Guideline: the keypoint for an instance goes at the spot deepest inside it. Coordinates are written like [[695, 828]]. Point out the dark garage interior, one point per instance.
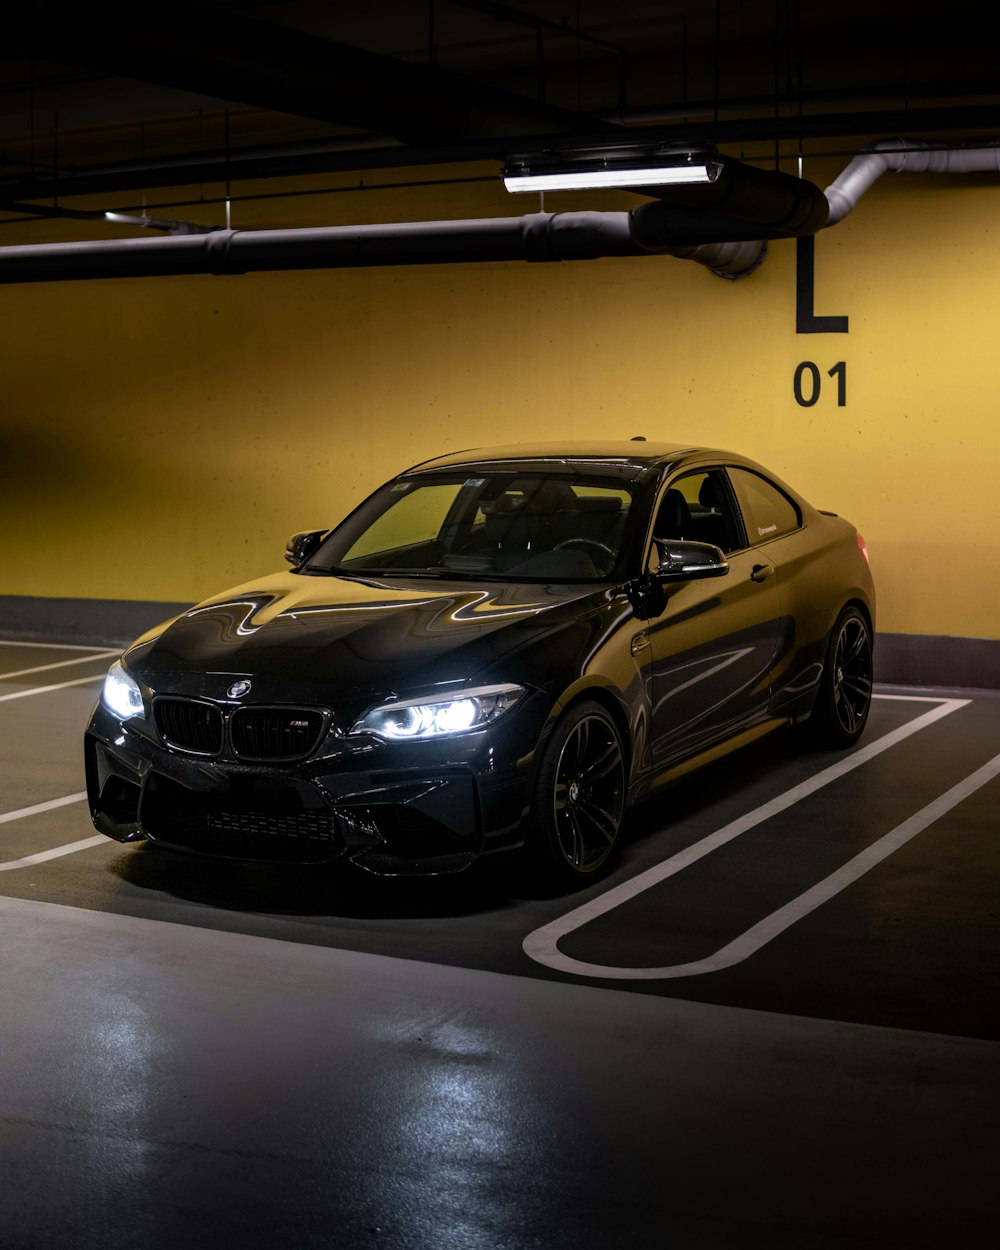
[[258, 259]]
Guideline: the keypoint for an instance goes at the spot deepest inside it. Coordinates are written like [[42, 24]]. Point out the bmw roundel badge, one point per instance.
[[238, 689]]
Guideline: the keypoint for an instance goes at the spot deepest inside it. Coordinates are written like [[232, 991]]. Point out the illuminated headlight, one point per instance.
[[121, 694], [439, 714]]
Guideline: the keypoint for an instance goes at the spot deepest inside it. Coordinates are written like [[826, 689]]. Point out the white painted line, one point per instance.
[[749, 942], [57, 851], [23, 694], [542, 944], [915, 698], [48, 646], [41, 668], [22, 812]]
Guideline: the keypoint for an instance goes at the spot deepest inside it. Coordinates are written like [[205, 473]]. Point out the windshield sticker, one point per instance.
[[766, 529], [475, 481]]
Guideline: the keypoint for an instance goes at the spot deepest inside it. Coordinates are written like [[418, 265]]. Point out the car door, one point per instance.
[[712, 645], [773, 524]]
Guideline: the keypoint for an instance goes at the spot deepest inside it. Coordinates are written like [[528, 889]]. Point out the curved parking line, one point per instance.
[[542, 945]]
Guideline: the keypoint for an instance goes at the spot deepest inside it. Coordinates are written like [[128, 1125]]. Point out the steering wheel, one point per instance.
[[586, 542]]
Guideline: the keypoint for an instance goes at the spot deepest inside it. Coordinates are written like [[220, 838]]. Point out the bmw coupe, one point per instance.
[[496, 653]]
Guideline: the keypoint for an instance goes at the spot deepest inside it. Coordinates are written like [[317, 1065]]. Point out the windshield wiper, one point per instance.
[[333, 570], [438, 575]]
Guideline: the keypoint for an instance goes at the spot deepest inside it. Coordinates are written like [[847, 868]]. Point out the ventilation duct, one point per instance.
[[726, 260], [772, 200], [724, 225]]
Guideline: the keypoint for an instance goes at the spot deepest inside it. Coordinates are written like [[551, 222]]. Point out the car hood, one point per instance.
[[320, 639]]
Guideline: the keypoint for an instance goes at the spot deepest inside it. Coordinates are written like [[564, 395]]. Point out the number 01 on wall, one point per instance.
[[807, 385]]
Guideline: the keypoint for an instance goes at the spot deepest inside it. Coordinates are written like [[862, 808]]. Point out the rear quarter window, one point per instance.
[[767, 510]]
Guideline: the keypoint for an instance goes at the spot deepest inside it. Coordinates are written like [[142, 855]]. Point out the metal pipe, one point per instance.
[[769, 105], [742, 206], [902, 156], [538, 237]]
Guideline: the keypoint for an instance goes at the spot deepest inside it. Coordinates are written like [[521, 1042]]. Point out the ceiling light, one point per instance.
[[610, 169]]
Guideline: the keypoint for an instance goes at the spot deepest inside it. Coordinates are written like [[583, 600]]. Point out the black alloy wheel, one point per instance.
[[846, 689], [580, 795]]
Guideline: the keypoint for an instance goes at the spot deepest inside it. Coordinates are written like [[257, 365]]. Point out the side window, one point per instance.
[[767, 511], [699, 508]]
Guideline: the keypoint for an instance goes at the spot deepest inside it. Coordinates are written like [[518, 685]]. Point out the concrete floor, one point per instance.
[[194, 1055]]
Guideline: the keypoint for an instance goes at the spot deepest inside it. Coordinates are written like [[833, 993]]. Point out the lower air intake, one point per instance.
[[280, 824]]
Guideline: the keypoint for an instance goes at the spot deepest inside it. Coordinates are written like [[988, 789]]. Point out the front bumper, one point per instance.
[[394, 809]]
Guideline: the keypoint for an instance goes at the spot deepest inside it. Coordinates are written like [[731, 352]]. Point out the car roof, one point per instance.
[[621, 454]]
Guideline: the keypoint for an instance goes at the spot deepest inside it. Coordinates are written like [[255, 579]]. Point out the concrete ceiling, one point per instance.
[[110, 105]]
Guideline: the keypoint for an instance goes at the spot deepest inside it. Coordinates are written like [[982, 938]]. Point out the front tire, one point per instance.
[[841, 711], [579, 797]]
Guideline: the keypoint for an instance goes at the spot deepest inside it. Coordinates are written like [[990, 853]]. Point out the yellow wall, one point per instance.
[[161, 438]]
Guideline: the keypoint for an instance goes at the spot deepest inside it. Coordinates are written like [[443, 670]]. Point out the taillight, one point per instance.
[[862, 546]]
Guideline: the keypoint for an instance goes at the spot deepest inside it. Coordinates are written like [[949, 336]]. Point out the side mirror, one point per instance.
[[682, 561], [301, 546]]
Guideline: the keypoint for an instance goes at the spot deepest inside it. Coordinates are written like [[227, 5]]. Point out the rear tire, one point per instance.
[[841, 710], [579, 798]]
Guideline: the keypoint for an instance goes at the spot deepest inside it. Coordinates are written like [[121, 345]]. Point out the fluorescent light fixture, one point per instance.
[[591, 172]]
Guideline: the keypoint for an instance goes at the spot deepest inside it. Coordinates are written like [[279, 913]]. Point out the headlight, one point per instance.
[[432, 717], [121, 693]]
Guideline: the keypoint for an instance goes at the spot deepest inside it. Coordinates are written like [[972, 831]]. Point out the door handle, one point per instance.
[[761, 572]]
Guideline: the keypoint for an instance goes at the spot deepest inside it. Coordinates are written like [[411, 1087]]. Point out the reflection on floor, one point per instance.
[[196, 1053], [164, 1085]]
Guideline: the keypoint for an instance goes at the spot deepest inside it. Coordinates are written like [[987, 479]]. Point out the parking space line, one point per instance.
[[542, 944], [35, 808], [47, 646], [41, 668], [57, 851], [23, 694]]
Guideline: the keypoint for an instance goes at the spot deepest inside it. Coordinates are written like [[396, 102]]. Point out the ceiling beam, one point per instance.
[[955, 124], [211, 51]]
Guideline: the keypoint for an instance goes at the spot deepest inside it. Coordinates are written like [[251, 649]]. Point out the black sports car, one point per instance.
[[498, 649]]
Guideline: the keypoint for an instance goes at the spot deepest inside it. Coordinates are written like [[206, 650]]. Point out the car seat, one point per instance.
[[674, 517]]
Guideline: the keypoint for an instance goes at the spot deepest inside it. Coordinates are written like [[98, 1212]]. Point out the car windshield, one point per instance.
[[504, 526]]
